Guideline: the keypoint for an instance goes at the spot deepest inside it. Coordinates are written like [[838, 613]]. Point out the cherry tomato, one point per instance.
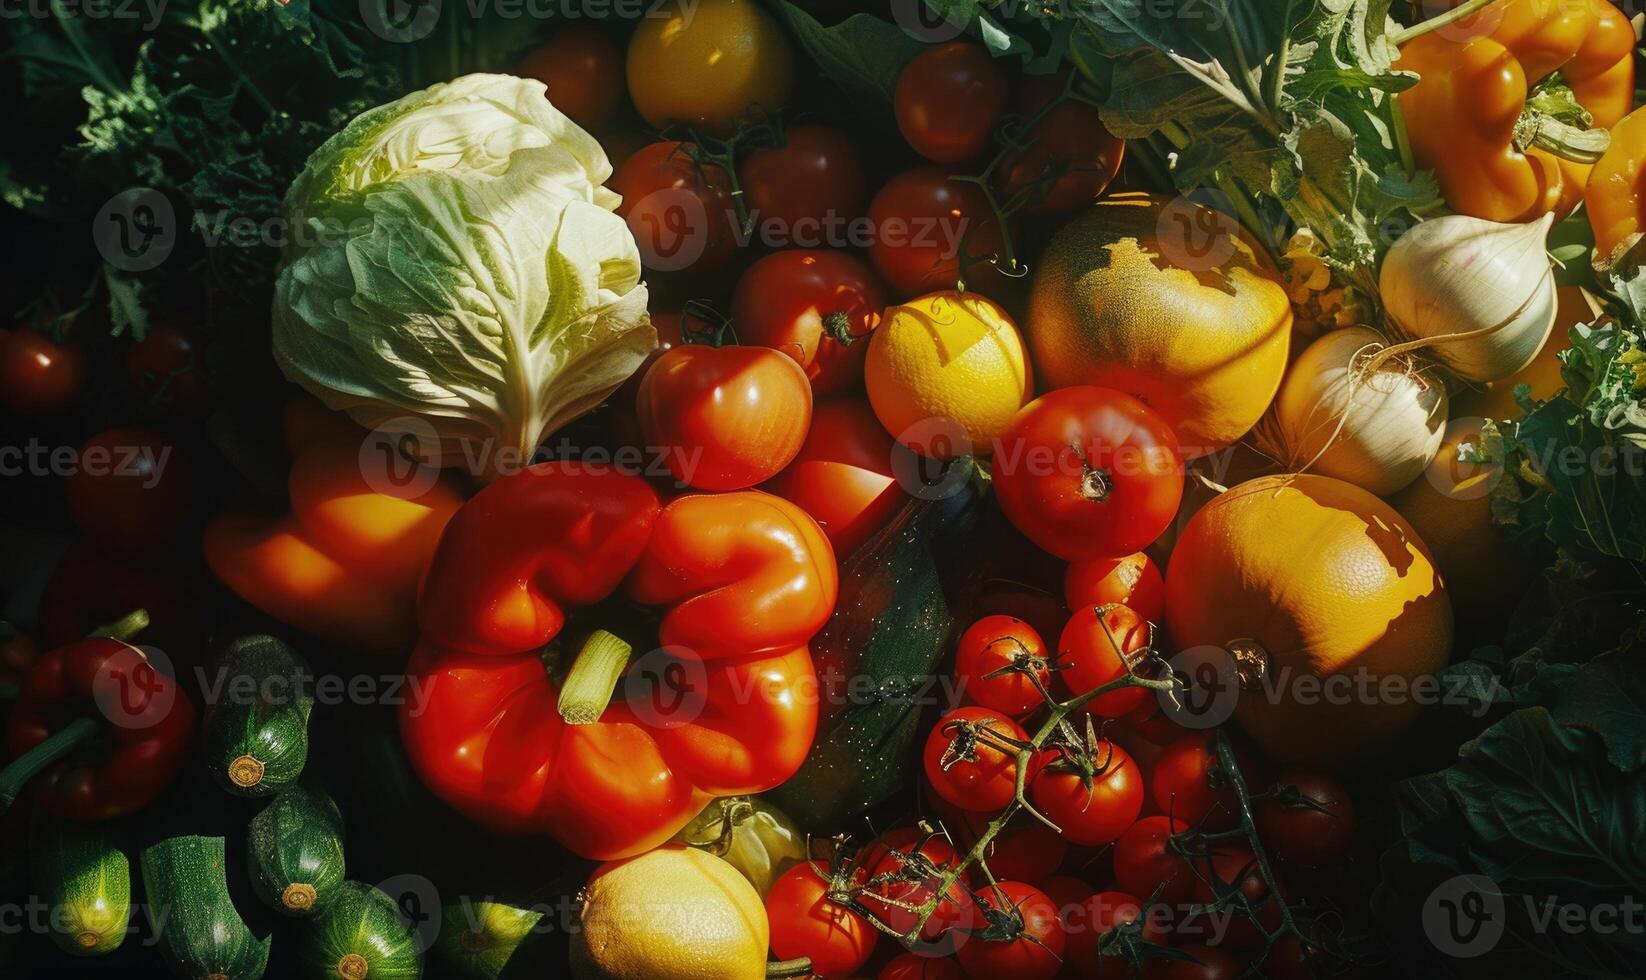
[[164, 369], [1095, 916], [1088, 471], [994, 644], [727, 417], [948, 100], [1067, 156], [1317, 829], [1142, 862], [129, 490], [1025, 850], [805, 923], [709, 63], [903, 869], [38, 375], [1089, 647], [1090, 814], [967, 763], [914, 966], [583, 70], [679, 210], [818, 307], [806, 189], [1150, 721], [1189, 783], [843, 474], [1019, 935], [1133, 580], [1204, 963], [923, 225]]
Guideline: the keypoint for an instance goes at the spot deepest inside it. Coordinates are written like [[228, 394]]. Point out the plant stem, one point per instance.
[[36, 760], [593, 678], [1436, 23], [801, 967], [126, 627]]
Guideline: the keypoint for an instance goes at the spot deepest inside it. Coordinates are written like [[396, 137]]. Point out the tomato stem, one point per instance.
[[593, 678], [801, 967], [126, 627], [38, 759]]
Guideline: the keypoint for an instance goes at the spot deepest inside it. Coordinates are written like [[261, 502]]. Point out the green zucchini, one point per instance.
[[256, 732], [294, 851], [360, 934], [85, 881], [892, 623], [479, 940], [201, 936]]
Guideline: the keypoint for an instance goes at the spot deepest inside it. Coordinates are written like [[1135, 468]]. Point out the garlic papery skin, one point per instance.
[[1482, 293], [1347, 410]]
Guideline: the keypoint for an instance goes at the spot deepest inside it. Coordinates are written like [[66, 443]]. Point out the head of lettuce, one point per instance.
[[456, 272]]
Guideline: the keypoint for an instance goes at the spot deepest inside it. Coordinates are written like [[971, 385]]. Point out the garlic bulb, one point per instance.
[[1482, 291], [1344, 411]]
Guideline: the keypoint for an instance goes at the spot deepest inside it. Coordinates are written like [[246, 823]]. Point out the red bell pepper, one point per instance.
[[739, 583], [98, 732]]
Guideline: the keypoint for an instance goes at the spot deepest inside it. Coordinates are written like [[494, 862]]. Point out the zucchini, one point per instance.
[[360, 934], [85, 881], [256, 732], [479, 940], [892, 623], [294, 851], [201, 936]]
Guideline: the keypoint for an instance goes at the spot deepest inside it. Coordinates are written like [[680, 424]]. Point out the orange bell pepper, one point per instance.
[[1468, 117], [345, 564], [1615, 198]]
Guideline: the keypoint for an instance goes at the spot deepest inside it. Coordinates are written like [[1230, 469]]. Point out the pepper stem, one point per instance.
[[36, 760], [126, 627], [1562, 139], [593, 678]]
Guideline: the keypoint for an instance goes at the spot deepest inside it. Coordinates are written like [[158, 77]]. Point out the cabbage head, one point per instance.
[[455, 269]]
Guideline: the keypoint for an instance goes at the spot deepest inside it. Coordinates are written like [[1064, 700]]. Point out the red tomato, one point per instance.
[[1088, 471], [1067, 156], [1204, 963], [805, 923], [1133, 580], [843, 474], [1189, 784], [923, 225], [1019, 935], [38, 375], [916, 859], [727, 417], [914, 966], [1227, 870], [1025, 849], [948, 100], [164, 369], [129, 491], [1087, 924], [1089, 647], [996, 643], [805, 190], [1095, 814], [583, 70], [1142, 863], [966, 766], [679, 211], [818, 307], [1317, 829]]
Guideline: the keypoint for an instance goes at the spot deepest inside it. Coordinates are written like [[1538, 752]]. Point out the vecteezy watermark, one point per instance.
[[35, 458], [925, 23], [135, 230], [226, 687], [146, 12], [408, 21], [1467, 915]]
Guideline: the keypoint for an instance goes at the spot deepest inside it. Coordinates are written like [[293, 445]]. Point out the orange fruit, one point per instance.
[[1167, 301], [946, 374], [710, 64], [1305, 578]]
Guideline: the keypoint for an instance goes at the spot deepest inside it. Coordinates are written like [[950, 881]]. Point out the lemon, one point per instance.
[[675, 913], [946, 374]]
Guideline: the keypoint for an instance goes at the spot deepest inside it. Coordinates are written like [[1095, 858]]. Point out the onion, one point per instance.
[[1351, 409], [1481, 293]]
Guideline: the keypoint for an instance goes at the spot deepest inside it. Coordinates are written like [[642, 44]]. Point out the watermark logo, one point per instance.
[[392, 457], [417, 904], [925, 23], [667, 688], [1195, 237], [671, 229], [936, 470], [133, 688], [1207, 688], [1470, 462], [401, 21], [135, 230], [1464, 916]]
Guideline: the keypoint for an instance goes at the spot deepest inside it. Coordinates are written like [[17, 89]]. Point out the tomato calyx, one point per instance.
[[702, 324], [1003, 923], [1087, 755], [838, 327], [1251, 661], [1026, 662], [965, 736]]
